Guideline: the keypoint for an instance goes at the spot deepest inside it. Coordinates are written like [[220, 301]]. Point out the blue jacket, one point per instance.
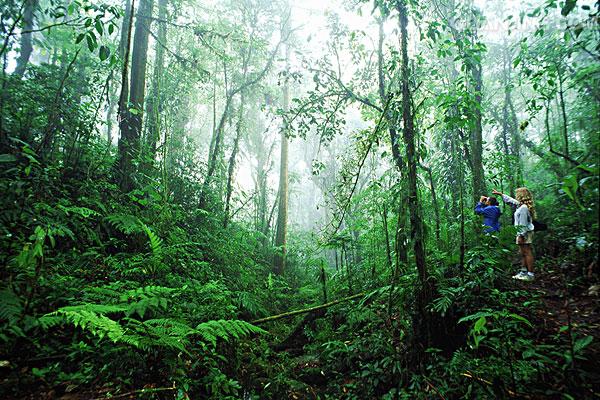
[[491, 216]]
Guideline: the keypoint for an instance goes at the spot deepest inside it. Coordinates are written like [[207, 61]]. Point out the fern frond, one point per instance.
[[81, 211], [144, 298], [156, 243], [126, 223], [97, 325], [95, 308], [11, 306], [247, 301], [210, 331], [49, 321]]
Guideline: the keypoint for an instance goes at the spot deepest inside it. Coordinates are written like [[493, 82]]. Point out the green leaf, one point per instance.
[[582, 343], [570, 186], [568, 7], [520, 318], [479, 324], [104, 53], [90, 43], [7, 158], [99, 27]]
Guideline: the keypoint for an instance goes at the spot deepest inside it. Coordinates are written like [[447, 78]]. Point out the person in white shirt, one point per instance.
[[524, 216]]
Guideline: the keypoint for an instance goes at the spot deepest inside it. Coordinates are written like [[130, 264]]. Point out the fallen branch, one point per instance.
[[306, 310], [468, 374], [136, 392]]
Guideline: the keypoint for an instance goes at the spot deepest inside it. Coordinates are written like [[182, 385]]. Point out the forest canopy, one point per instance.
[[265, 199]]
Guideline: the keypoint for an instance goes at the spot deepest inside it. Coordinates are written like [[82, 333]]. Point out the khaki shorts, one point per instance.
[[528, 238]]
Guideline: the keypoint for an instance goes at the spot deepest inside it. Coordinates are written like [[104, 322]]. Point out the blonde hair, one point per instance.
[[524, 196]]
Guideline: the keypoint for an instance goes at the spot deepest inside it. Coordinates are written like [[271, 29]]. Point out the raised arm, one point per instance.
[[506, 198]]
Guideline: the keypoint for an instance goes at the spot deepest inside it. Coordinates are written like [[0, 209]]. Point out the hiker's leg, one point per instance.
[[523, 251], [528, 257]]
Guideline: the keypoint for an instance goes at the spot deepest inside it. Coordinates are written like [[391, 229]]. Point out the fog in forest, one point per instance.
[[315, 199]]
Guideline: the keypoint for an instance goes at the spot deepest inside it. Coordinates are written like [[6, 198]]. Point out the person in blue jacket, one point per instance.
[[488, 207]]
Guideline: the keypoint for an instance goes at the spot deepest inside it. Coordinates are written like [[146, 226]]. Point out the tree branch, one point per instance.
[[306, 310]]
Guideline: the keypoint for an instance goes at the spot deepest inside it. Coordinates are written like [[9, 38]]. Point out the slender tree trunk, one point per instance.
[[214, 117], [323, 279], [414, 206], [111, 97], [436, 209], [282, 214], [563, 113], [388, 250], [461, 200], [213, 161], [232, 160], [26, 42], [515, 142], [510, 130], [155, 102]]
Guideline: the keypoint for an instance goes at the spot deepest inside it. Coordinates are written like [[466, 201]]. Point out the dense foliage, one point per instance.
[[177, 176]]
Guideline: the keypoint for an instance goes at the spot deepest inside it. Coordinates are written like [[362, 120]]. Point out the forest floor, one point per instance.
[[580, 307], [559, 305], [575, 304]]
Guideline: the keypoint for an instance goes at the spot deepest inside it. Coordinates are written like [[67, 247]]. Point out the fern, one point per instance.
[[129, 224], [169, 333], [221, 329], [156, 243], [83, 212], [147, 298], [247, 301], [97, 324], [11, 306], [126, 223]]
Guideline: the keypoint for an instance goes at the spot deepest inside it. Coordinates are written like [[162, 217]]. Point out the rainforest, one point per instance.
[[319, 199]]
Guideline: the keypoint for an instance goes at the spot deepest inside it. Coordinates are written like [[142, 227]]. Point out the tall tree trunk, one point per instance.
[[123, 44], [155, 103], [510, 128], [400, 242], [472, 62], [26, 43], [423, 295], [232, 160], [476, 137], [282, 212], [131, 124], [389, 117], [215, 156]]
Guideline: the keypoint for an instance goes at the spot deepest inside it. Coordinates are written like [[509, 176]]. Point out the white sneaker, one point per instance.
[[524, 276]]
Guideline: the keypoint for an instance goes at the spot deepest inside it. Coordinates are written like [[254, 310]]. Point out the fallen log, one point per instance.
[[306, 310]]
